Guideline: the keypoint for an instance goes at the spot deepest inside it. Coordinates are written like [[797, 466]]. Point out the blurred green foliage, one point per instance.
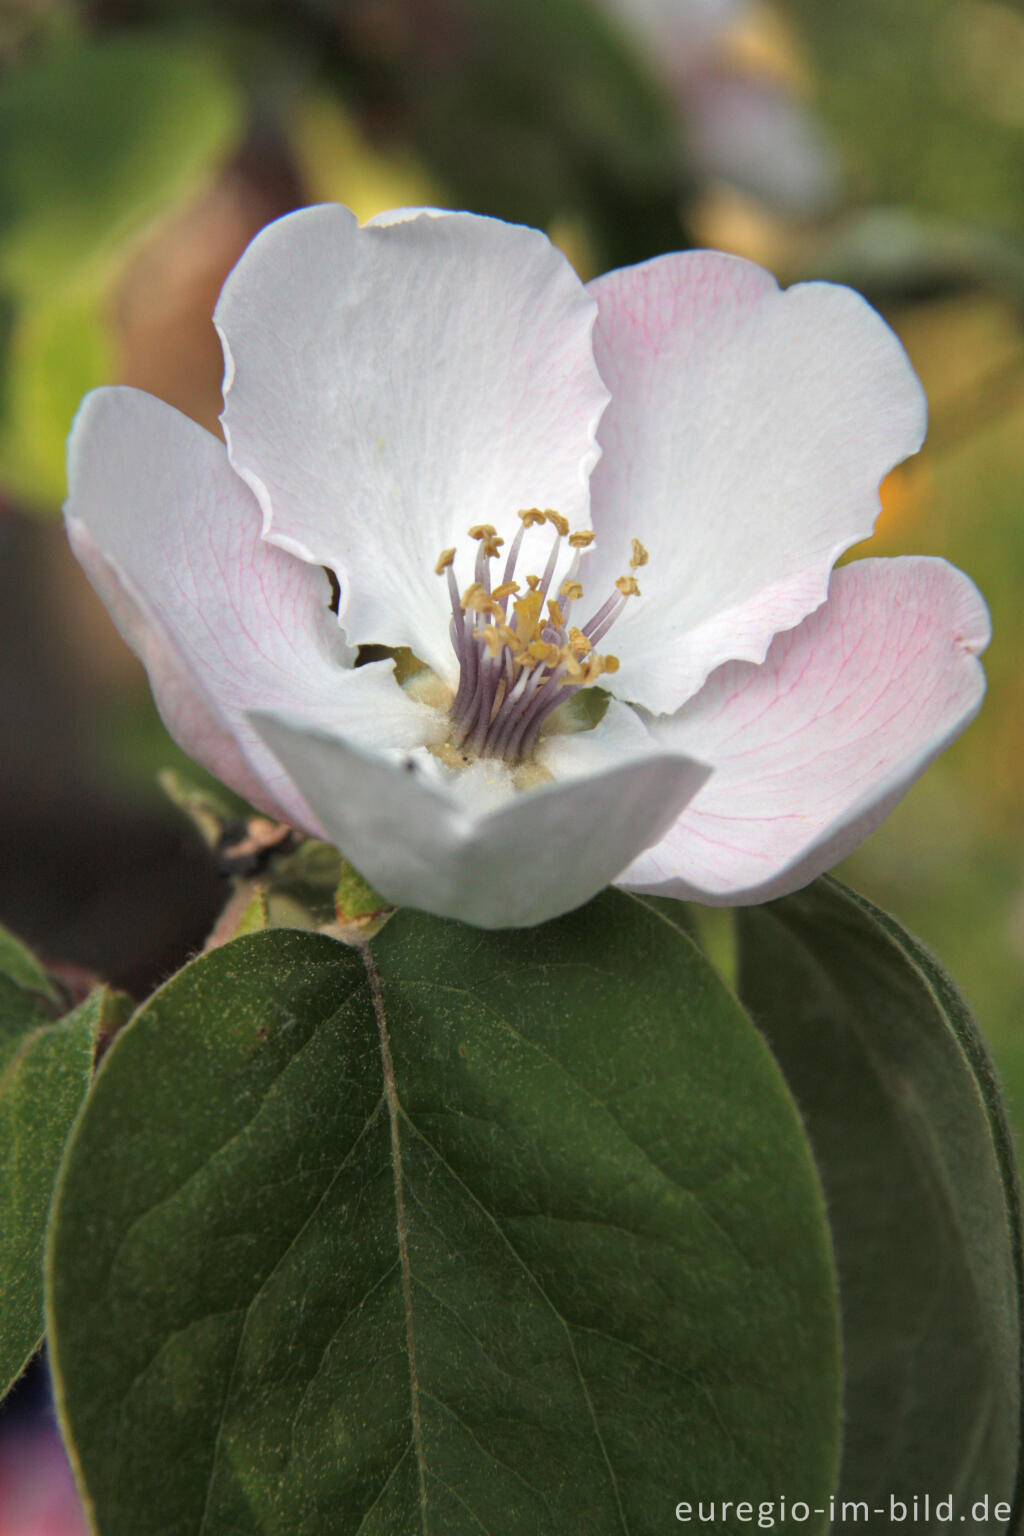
[[99, 139], [926, 98]]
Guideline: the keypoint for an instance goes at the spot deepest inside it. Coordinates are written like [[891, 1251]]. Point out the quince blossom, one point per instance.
[[593, 530]]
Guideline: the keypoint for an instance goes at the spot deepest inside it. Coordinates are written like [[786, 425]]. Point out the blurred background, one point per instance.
[[144, 142]]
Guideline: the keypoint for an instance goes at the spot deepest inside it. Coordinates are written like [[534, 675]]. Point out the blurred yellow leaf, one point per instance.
[[339, 165], [58, 349]]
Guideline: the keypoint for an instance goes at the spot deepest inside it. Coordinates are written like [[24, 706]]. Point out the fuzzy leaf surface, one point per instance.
[[904, 1115], [43, 1080], [506, 1232]]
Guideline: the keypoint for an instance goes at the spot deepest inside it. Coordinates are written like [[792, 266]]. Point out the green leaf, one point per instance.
[[208, 805], [19, 966], [529, 1242], [913, 1149], [41, 1087], [27, 997], [98, 138]]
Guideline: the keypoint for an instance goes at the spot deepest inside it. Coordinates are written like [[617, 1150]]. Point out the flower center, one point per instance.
[[516, 667]]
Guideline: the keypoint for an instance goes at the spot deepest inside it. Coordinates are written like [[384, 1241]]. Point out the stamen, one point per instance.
[[513, 671], [495, 636], [549, 569], [489, 538]]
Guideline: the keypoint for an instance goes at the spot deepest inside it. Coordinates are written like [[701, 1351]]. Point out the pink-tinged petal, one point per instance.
[[747, 435], [814, 748], [169, 537], [538, 853], [37, 1490], [388, 387]]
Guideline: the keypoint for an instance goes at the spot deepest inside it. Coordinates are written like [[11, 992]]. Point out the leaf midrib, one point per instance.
[[401, 1227]]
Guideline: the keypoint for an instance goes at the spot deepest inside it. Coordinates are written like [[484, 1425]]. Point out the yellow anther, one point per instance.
[[555, 610], [489, 538], [571, 590], [640, 556], [571, 665], [494, 636], [531, 516], [543, 650], [479, 601], [470, 593], [580, 642], [557, 521], [527, 611], [506, 589], [444, 560], [627, 585], [609, 664], [533, 582], [582, 538]]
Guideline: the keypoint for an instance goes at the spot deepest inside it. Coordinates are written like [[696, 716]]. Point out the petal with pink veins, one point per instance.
[[813, 749], [169, 537], [747, 435], [388, 387]]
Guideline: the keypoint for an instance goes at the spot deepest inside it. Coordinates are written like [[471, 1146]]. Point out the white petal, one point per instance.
[[619, 734], [747, 435], [169, 536], [814, 748], [538, 854], [388, 387]]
